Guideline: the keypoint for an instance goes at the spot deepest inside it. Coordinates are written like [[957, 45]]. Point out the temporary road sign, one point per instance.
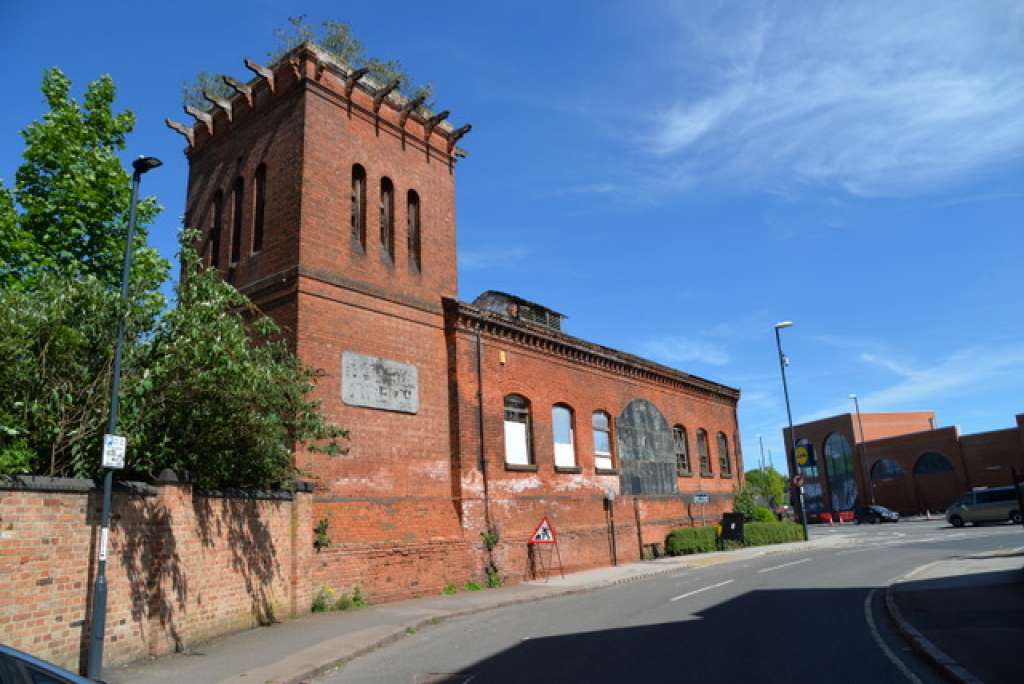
[[544, 534]]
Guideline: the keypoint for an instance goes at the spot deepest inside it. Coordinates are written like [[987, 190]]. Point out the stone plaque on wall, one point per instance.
[[379, 383]]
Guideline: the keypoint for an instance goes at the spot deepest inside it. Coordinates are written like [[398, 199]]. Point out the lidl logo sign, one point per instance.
[[804, 455]]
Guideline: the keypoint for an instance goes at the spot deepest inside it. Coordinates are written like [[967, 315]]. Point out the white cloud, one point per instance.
[[490, 257], [875, 98], [684, 350]]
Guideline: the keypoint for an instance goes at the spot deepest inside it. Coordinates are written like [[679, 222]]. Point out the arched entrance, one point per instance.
[[935, 482], [647, 459], [888, 480], [839, 463]]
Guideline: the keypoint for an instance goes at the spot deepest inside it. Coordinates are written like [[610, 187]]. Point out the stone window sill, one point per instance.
[[572, 470], [726, 475], [686, 474], [606, 471], [519, 468], [707, 474]]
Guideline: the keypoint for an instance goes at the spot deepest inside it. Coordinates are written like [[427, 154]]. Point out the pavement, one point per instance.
[[965, 614], [298, 650]]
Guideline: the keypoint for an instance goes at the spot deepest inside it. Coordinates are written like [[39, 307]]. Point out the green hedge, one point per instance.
[[687, 540], [761, 533]]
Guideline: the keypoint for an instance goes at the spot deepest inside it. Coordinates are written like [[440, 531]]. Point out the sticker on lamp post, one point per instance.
[[114, 447]]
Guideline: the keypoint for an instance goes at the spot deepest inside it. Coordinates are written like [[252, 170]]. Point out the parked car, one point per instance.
[[991, 504], [876, 514], [17, 667]]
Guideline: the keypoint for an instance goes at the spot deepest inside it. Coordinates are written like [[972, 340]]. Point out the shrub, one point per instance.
[[472, 586], [744, 503], [689, 540], [344, 602], [449, 589], [759, 533], [493, 578], [322, 600], [358, 599], [763, 514]]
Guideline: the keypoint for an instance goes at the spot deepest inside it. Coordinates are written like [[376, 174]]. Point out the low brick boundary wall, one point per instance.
[[184, 565]]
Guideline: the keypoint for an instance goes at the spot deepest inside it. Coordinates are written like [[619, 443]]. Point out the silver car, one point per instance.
[[991, 504]]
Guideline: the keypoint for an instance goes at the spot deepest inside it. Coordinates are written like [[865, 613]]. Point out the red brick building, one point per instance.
[[900, 460], [330, 201]]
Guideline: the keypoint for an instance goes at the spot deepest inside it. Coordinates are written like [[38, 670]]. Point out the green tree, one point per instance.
[[743, 502], [768, 483], [68, 212]]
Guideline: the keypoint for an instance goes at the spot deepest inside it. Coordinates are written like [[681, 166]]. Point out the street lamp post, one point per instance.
[[783, 362], [864, 450], [97, 625]]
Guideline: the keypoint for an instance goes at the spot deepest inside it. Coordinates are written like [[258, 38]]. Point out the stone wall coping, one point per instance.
[[73, 485]]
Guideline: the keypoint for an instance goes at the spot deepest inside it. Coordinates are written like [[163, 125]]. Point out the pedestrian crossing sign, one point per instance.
[[544, 534]]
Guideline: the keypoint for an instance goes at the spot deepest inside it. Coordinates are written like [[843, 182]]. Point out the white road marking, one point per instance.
[[697, 591], [785, 565], [900, 665]]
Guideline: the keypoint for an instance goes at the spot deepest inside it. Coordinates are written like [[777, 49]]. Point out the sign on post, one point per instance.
[[544, 534], [702, 498], [114, 447]]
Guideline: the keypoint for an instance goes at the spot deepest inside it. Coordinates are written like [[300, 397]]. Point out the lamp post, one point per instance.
[[864, 450], [783, 362], [97, 626]]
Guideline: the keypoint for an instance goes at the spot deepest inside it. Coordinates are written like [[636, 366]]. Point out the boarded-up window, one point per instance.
[[517, 430], [561, 427], [259, 207], [601, 423], [236, 220], [703, 453], [724, 463], [413, 219], [387, 218], [358, 214], [216, 228], [682, 450]]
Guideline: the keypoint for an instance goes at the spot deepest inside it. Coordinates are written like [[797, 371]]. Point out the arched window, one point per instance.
[[839, 465], [561, 428], [216, 227], [702, 452], [886, 469], [387, 217], [601, 423], [932, 462], [517, 431], [259, 202], [724, 464], [682, 450], [238, 194], [413, 218], [358, 217]]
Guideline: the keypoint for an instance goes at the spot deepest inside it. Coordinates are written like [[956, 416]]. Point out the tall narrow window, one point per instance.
[[236, 220], [561, 427], [259, 203], [682, 450], [359, 206], [702, 452], [216, 227], [517, 430], [602, 426], [387, 217], [724, 464], [413, 218]]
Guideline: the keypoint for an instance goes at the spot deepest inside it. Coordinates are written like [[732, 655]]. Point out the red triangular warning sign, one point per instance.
[[544, 534]]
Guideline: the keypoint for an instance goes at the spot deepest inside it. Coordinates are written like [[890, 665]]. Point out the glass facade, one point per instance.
[[839, 463], [813, 500]]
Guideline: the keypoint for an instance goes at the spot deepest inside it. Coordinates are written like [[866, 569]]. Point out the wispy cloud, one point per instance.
[[589, 189], [490, 257], [684, 350], [968, 370], [875, 98]]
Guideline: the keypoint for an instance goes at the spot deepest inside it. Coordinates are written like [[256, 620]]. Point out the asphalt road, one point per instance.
[[809, 616]]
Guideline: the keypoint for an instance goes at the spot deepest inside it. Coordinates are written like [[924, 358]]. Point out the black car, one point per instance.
[[875, 515], [17, 667]]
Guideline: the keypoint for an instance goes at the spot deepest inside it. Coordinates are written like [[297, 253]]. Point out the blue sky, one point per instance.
[[676, 177]]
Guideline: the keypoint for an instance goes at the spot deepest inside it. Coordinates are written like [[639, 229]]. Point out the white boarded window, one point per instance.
[[561, 426], [602, 428], [517, 430]]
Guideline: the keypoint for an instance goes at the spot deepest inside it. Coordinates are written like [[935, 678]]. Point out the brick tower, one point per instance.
[[330, 201]]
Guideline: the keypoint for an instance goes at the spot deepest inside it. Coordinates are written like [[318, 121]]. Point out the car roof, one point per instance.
[[43, 665]]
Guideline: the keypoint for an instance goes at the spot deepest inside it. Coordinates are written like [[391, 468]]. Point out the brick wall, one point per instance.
[[182, 567]]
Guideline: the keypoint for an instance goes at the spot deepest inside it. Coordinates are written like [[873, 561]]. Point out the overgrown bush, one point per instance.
[[689, 540], [763, 514], [449, 589], [472, 586], [760, 534]]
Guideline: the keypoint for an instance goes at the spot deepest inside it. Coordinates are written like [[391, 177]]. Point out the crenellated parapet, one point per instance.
[[311, 68]]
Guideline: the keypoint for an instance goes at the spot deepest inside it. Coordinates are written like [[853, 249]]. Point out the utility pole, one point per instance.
[[864, 450], [791, 446]]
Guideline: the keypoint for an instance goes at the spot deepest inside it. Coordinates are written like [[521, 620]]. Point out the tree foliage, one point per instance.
[[206, 386], [769, 484]]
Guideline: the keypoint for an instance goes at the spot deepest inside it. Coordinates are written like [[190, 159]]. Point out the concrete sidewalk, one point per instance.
[[298, 650], [965, 615]]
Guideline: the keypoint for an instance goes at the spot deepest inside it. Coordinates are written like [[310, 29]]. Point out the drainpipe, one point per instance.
[[480, 424]]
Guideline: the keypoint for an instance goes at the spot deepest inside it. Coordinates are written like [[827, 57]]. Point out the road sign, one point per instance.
[[701, 498], [798, 480], [114, 447], [544, 534]]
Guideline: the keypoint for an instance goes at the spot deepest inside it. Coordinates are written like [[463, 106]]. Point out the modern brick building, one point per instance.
[[900, 460], [330, 201]]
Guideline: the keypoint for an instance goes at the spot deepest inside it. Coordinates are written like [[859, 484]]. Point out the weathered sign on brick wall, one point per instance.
[[379, 383]]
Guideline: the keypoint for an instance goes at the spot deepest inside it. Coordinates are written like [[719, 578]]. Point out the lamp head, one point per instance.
[[853, 396], [144, 164], [783, 324]]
